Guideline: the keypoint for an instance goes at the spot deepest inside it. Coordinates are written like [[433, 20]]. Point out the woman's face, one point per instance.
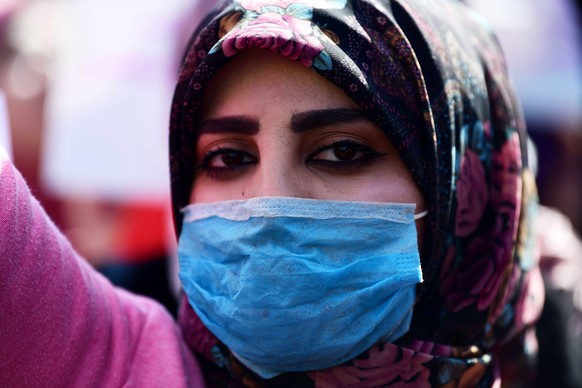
[[271, 127]]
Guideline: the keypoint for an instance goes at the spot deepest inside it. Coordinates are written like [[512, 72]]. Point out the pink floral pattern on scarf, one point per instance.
[[475, 281], [256, 5], [285, 34], [506, 188], [386, 364], [472, 194]]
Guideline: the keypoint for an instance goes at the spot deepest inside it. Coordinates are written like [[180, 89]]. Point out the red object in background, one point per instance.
[[141, 232]]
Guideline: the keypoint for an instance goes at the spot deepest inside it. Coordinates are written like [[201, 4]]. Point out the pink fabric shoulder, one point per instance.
[[62, 323]]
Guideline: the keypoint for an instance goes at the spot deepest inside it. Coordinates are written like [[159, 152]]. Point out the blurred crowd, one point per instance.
[[87, 90]]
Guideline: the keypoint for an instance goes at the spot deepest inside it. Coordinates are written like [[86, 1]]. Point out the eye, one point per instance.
[[344, 154], [227, 158], [341, 152], [222, 163]]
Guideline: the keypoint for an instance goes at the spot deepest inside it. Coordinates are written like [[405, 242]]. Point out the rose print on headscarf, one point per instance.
[[256, 5], [472, 194], [386, 365], [287, 31], [506, 188], [472, 185], [476, 279]]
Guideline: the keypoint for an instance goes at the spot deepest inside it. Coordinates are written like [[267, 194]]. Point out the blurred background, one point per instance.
[[86, 86], [542, 40]]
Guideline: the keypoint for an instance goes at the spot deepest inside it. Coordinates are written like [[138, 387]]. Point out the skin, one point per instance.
[[268, 128]]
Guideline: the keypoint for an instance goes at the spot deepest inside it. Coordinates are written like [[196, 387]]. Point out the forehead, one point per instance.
[[258, 80]]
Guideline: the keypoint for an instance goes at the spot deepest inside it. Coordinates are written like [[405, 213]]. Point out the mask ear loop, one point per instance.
[[420, 215]]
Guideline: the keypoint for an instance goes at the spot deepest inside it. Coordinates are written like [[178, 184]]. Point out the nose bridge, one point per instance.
[[280, 169], [279, 178]]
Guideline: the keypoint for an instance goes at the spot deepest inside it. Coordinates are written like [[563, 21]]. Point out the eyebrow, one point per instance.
[[306, 121], [232, 124]]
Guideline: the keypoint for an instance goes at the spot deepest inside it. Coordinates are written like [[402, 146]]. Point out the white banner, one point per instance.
[[109, 98]]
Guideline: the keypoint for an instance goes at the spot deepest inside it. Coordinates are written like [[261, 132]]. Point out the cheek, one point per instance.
[[395, 185], [207, 190]]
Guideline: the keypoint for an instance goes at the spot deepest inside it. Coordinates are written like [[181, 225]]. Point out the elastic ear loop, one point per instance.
[[420, 215]]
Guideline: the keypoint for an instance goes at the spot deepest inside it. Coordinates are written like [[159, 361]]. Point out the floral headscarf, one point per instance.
[[431, 75]]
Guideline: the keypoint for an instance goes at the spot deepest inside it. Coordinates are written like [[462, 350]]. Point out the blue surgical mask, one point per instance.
[[292, 284]]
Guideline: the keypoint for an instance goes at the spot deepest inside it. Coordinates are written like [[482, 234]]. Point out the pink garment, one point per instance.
[[62, 323]]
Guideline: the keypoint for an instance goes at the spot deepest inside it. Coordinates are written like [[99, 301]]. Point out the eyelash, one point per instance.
[[368, 156], [223, 172]]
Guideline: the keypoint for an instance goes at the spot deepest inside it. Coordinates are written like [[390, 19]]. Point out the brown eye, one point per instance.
[[224, 163], [344, 152], [232, 158], [344, 156]]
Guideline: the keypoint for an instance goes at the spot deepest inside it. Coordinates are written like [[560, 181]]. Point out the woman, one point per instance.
[[432, 79], [353, 205]]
